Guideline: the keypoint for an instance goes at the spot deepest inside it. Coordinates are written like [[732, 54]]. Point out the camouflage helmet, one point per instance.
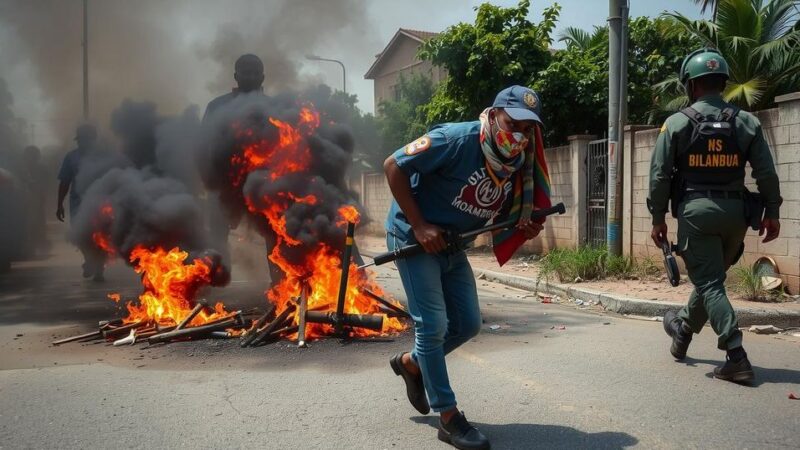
[[702, 62]]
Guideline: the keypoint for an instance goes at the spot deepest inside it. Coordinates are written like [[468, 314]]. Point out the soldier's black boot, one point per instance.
[[680, 333], [461, 434], [737, 367]]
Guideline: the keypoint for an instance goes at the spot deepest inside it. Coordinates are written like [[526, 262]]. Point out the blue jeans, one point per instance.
[[443, 301]]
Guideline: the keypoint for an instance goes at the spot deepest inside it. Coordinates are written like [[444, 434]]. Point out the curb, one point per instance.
[[621, 304]]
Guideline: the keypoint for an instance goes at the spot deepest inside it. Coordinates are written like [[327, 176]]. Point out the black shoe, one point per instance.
[[680, 334], [461, 434], [415, 389], [738, 372]]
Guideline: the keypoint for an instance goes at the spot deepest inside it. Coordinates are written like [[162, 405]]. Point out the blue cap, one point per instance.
[[519, 102]]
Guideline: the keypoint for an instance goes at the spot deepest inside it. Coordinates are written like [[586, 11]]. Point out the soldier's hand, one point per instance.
[[430, 237], [659, 234], [772, 227], [60, 213], [530, 228]]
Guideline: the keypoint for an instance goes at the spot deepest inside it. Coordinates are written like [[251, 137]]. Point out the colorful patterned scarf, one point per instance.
[[501, 166], [531, 190]]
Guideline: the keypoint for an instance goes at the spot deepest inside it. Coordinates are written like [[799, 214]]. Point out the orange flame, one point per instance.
[[350, 214], [321, 268], [170, 287], [321, 271], [101, 239]]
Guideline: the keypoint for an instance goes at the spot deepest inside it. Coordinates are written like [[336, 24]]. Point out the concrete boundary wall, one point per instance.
[[567, 166]]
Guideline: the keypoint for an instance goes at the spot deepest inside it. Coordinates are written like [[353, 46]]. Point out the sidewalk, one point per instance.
[[633, 297]]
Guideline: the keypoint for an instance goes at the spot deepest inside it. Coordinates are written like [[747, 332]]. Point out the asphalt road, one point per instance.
[[603, 381]]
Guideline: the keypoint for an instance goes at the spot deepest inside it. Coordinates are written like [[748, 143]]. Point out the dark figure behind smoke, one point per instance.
[[245, 106], [243, 123], [73, 163], [144, 196]]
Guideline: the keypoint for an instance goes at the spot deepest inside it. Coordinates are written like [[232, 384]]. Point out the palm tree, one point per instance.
[[581, 39], [761, 42], [708, 4]]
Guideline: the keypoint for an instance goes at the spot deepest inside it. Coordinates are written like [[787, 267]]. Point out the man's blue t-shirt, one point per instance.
[[67, 174], [449, 181]]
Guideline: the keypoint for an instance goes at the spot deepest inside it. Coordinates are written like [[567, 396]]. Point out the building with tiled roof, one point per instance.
[[400, 58]]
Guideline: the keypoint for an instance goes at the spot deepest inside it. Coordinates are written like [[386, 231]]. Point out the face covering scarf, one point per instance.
[[531, 185], [504, 150]]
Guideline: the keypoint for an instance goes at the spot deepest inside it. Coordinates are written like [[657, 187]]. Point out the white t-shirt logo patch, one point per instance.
[[487, 192], [480, 197]]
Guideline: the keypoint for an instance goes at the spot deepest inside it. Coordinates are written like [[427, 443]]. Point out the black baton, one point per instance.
[[417, 249]]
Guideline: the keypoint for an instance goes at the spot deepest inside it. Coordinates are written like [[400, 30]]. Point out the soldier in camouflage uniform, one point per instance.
[[699, 162]]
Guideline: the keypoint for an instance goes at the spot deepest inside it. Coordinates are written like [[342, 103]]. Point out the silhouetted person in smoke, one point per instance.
[[86, 137], [224, 215], [34, 179]]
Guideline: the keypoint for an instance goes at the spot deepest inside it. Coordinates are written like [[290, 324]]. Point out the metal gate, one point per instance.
[[596, 185]]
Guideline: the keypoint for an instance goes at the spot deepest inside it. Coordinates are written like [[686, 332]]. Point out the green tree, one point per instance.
[[761, 42], [501, 48], [401, 121], [574, 87]]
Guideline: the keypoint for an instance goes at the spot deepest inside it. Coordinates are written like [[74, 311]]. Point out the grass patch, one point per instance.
[[747, 283], [594, 263]]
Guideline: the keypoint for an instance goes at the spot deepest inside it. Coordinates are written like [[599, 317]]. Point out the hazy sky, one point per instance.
[[180, 52]]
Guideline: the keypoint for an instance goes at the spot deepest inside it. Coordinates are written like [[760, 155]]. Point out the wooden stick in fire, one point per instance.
[[301, 326], [346, 256], [278, 333], [192, 332], [251, 334], [274, 324], [119, 331], [194, 312]]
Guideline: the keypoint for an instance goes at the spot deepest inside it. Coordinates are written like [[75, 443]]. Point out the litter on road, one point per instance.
[[764, 329]]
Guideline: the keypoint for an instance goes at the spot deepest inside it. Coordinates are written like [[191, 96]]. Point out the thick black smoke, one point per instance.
[[177, 51], [140, 196], [330, 147]]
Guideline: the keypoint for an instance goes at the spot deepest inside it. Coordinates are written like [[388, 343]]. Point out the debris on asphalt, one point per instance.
[[494, 327], [647, 318], [764, 329], [547, 300], [482, 276], [606, 323], [578, 279], [558, 327], [579, 302], [793, 396]]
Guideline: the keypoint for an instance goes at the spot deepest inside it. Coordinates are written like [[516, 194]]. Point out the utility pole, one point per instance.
[[617, 116], [85, 60]]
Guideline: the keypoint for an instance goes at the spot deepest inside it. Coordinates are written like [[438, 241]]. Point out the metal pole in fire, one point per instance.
[[85, 59], [346, 256]]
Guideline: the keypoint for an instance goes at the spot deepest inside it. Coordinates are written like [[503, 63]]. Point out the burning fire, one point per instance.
[[101, 222], [170, 287], [320, 269]]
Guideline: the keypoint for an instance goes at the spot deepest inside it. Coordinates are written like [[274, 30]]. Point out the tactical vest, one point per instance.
[[713, 156]]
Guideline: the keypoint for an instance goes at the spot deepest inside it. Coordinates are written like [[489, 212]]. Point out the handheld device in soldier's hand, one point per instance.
[[670, 264]]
